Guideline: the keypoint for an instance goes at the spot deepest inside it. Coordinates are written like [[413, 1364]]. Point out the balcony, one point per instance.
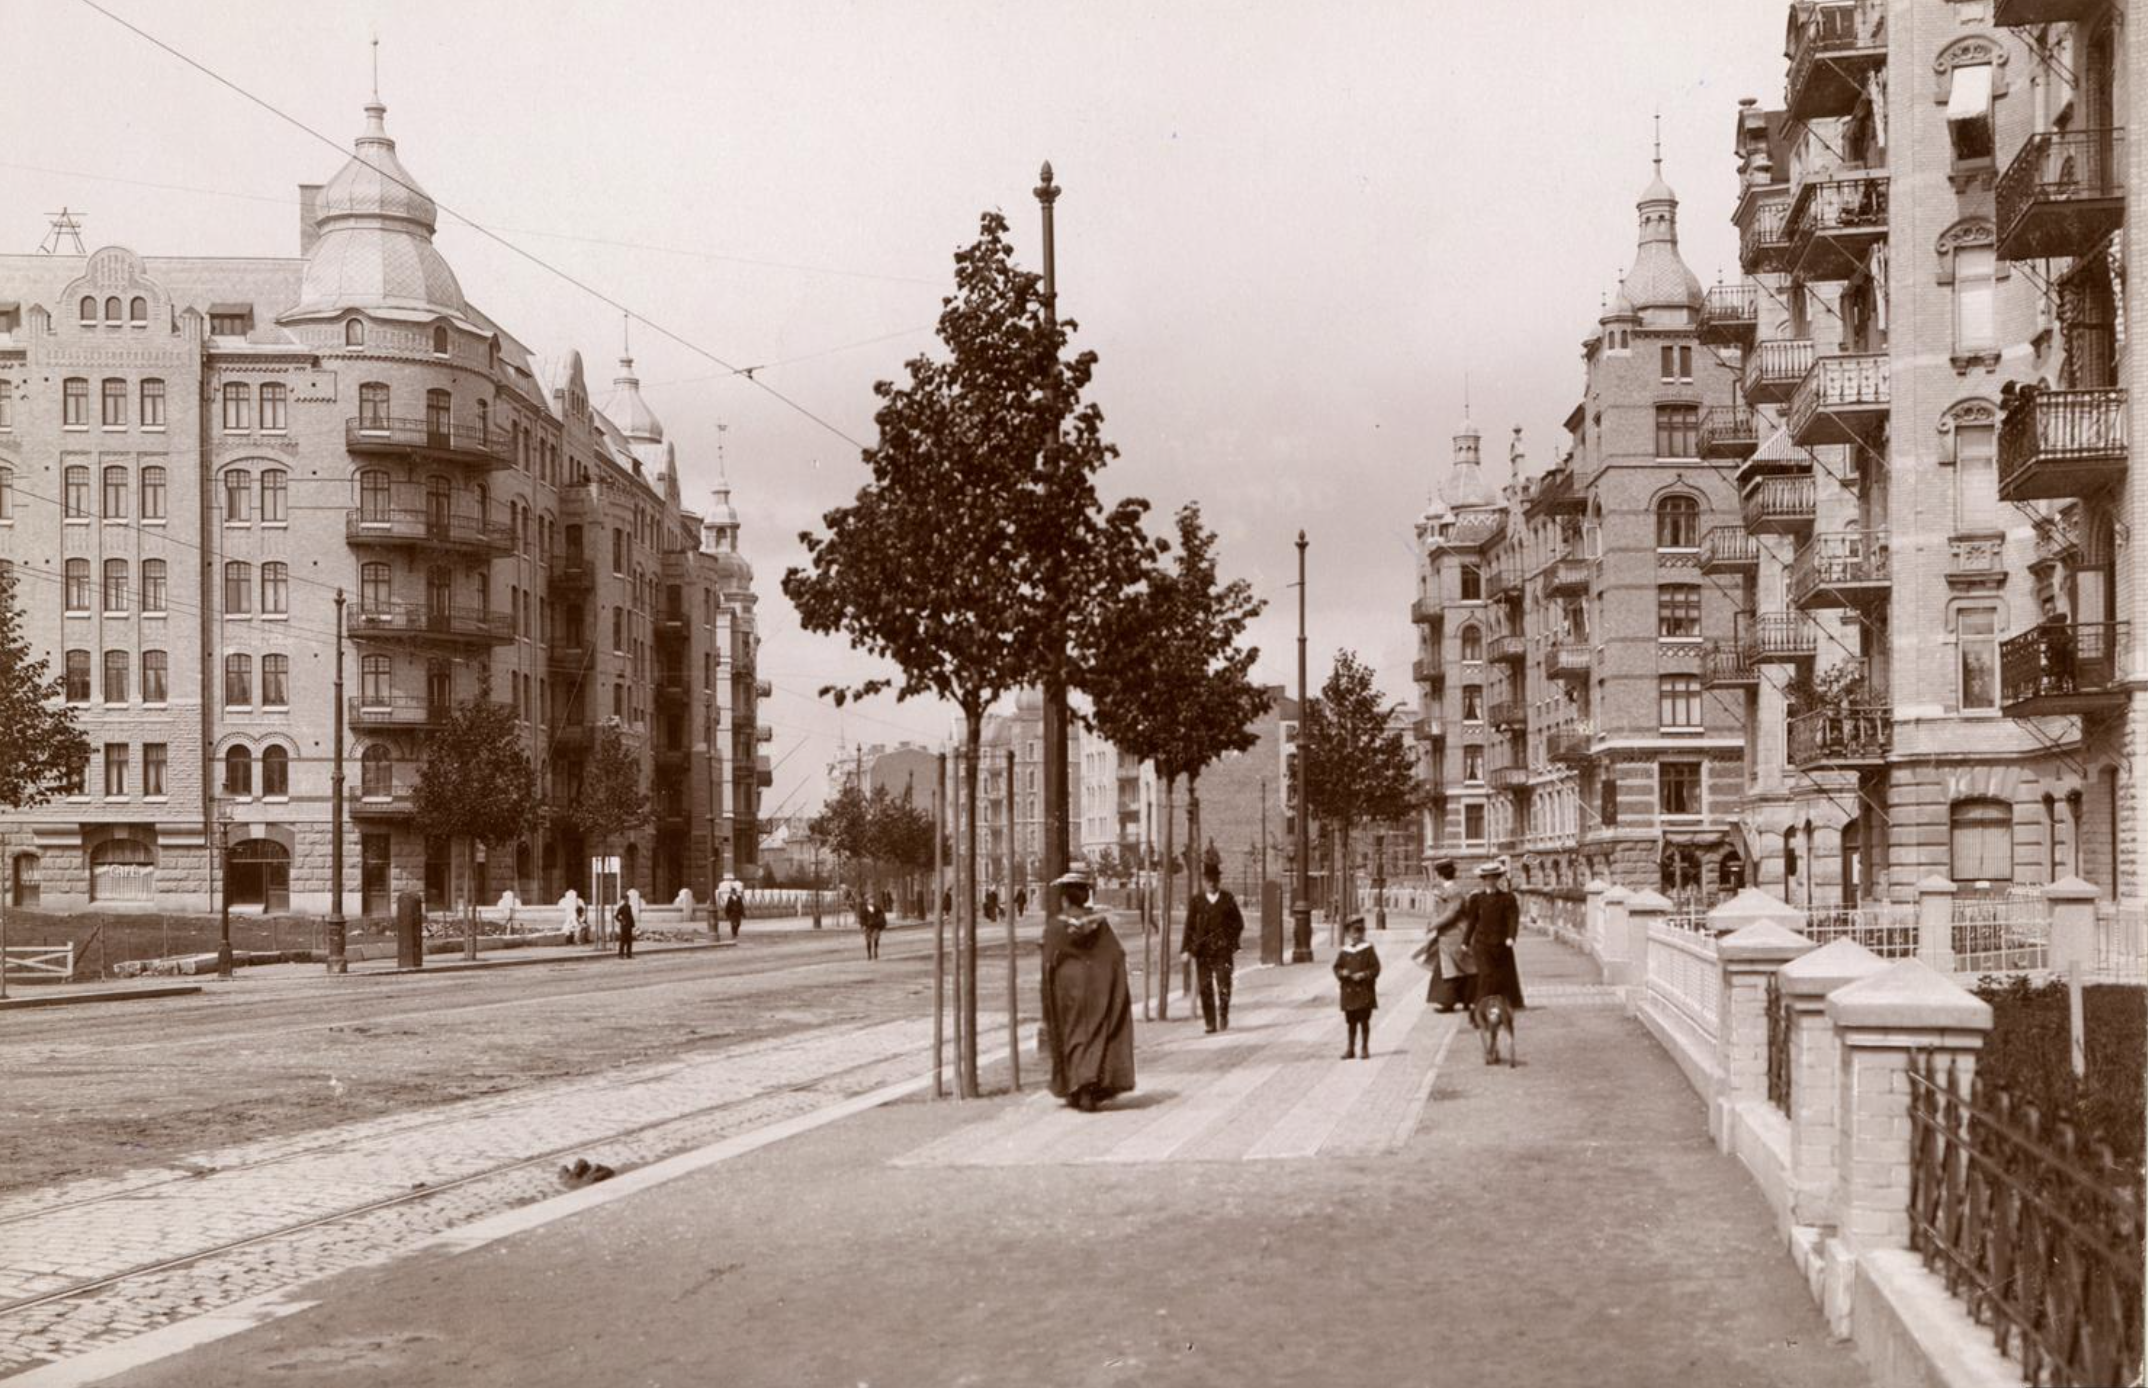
[[2063, 194], [1568, 576], [436, 440], [392, 796], [1764, 240], [672, 626], [1568, 660], [1834, 223], [1570, 746], [574, 573], [1724, 665], [1728, 549], [1508, 777], [1501, 582], [764, 775], [1842, 568], [412, 712], [1779, 506], [436, 531], [1425, 611], [1833, 55], [1508, 716], [2060, 667], [764, 732], [1556, 495], [672, 687], [569, 658], [1774, 370], [1777, 638], [1843, 399], [2026, 14], [1508, 647], [1428, 729], [2062, 443], [425, 622], [1729, 431], [1427, 669], [762, 689], [1841, 739], [1730, 315]]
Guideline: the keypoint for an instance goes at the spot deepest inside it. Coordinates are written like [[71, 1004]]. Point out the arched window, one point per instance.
[[1981, 843], [238, 496], [1678, 523], [115, 677], [138, 311], [88, 310], [376, 774], [1472, 643], [112, 316], [354, 333], [238, 772], [276, 773], [484, 419], [373, 405], [440, 340]]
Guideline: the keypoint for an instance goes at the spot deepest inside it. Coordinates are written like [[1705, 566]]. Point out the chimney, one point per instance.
[[309, 217]]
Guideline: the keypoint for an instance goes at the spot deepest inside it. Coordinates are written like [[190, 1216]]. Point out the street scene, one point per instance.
[[985, 694]]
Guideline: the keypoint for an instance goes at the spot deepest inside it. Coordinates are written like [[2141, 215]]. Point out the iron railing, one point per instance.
[[2039, 1239], [1838, 395], [1507, 646], [1567, 660], [1846, 211], [1774, 368], [1889, 930], [2022, 14], [1569, 745], [438, 438], [1425, 610], [425, 620], [1508, 713], [1501, 581], [1728, 547], [1837, 559], [1729, 431], [1772, 636], [1426, 669], [1774, 505], [1725, 663], [1824, 70], [2055, 443], [1568, 574], [2062, 660], [1832, 736], [397, 711], [2044, 195], [2121, 943], [444, 529], [2000, 932], [1779, 1025], [1730, 312], [574, 571], [1764, 242]]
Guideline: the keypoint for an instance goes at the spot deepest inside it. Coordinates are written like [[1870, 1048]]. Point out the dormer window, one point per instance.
[[113, 317], [440, 340], [354, 333], [227, 320], [88, 310]]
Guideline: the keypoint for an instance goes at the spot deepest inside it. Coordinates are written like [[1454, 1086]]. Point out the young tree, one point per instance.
[[980, 527], [41, 745], [610, 801], [843, 826], [1358, 765], [475, 784], [1173, 683]]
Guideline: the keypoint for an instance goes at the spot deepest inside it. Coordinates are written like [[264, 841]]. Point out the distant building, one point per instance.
[[903, 769]]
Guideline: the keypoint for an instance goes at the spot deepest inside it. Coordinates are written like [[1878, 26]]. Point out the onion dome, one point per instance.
[[628, 410], [1659, 285], [374, 247]]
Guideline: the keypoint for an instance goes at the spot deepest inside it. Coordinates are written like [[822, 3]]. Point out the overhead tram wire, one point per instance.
[[479, 227]]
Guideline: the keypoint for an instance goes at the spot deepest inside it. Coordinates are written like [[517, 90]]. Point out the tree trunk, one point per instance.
[[469, 898], [966, 907], [1163, 928], [1193, 873]]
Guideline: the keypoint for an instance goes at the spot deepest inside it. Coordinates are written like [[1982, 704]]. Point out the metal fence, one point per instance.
[[2008, 933], [2039, 1240], [1779, 1024], [2121, 943], [1889, 930]]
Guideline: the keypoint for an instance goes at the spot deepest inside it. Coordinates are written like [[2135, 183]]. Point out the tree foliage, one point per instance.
[[1358, 765], [475, 782], [41, 744], [611, 799]]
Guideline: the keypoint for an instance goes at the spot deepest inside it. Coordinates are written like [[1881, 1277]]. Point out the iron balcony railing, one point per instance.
[[1839, 44], [397, 711], [1729, 431], [1835, 737], [1833, 221], [762, 689], [434, 438], [1508, 714], [1507, 647], [1500, 582], [1426, 669], [1726, 549], [1568, 660], [574, 572], [1567, 574], [1773, 637], [1725, 664], [2062, 667], [1843, 399], [2061, 443], [1839, 567], [1764, 241], [1729, 314], [1569, 746], [1425, 610], [456, 530], [429, 622], [1774, 369], [1778, 505], [2062, 194], [1508, 777]]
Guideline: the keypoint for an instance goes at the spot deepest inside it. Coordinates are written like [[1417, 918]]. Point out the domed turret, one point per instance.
[[1661, 288], [374, 248], [628, 410], [1465, 478]]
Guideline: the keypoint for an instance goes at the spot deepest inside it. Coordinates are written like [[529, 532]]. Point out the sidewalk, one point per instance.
[[1259, 1212]]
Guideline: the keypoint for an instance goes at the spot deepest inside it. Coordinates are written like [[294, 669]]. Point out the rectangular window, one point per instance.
[[372, 405], [1472, 762], [238, 407], [152, 493], [78, 677], [374, 673], [7, 404], [238, 588], [1473, 823], [1678, 703], [1969, 112], [7, 494], [115, 768], [1677, 431], [1472, 703], [76, 495], [156, 670], [115, 677], [1678, 611], [238, 681], [74, 403], [1678, 788], [1976, 634], [1975, 323], [75, 586], [1677, 364], [237, 323], [152, 404], [115, 404], [618, 550], [1981, 842], [1472, 583], [153, 762], [238, 497], [152, 586], [115, 493], [115, 587], [1976, 480], [275, 496], [275, 589], [273, 412], [275, 681]]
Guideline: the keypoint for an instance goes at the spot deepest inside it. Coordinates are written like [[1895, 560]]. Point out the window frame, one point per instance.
[[238, 402], [1679, 693], [156, 678], [1677, 423], [150, 401], [74, 402], [1691, 776], [112, 396], [1673, 607], [238, 680]]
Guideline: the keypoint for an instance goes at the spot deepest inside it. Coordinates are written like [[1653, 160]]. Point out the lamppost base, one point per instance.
[[223, 961], [338, 958], [1301, 934]]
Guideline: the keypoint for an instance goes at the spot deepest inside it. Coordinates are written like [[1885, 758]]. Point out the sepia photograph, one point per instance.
[[697, 693]]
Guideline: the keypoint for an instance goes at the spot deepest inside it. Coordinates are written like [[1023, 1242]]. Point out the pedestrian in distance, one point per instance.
[[734, 911], [1021, 901], [1357, 970], [1494, 919], [872, 920], [1442, 952], [1088, 1008], [991, 903], [581, 923], [624, 919], [947, 902], [1214, 927]]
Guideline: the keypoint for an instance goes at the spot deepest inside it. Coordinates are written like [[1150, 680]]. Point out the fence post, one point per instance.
[[1611, 945], [1881, 1022], [1643, 909], [1935, 924], [1805, 983], [1747, 957], [1592, 916], [2073, 924]]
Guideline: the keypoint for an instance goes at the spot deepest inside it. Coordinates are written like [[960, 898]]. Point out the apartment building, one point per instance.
[[206, 462]]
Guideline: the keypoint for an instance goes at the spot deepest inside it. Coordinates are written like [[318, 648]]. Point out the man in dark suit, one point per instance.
[[1213, 928], [1494, 916]]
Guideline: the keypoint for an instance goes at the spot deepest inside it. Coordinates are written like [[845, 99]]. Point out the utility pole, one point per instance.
[[709, 729], [1055, 685], [1301, 910], [1379, 879], [338, 962], [223, 897], [1014, 1011], [939, 925]]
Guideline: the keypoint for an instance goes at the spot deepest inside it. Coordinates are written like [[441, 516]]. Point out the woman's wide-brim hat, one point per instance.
[[1076, 875], [1495, 868]]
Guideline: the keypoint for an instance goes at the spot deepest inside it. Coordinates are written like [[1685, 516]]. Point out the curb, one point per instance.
[[109, 995], [466, 966]]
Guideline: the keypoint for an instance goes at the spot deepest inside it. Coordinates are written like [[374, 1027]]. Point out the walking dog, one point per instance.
[[1490, 1015]]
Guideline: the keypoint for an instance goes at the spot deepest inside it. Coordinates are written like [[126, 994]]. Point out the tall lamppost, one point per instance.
[[1301, 910], [338, 961], [1055, 685], [223, 895]]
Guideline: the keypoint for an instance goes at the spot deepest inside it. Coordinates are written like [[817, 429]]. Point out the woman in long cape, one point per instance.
[[1088, 1008]]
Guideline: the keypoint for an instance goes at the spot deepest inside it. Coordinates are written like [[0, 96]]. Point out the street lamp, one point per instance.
[[1055, 684], [338, 960], [223, 895], [1379, 879], [1301, 910]]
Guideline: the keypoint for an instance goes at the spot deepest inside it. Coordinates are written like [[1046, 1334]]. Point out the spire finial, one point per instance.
[[722, 470], [1465, 395], [626, 336], [1659, 142], [376, 67]]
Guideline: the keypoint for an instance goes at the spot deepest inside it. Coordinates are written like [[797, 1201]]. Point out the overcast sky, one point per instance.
[[1288, 229]]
